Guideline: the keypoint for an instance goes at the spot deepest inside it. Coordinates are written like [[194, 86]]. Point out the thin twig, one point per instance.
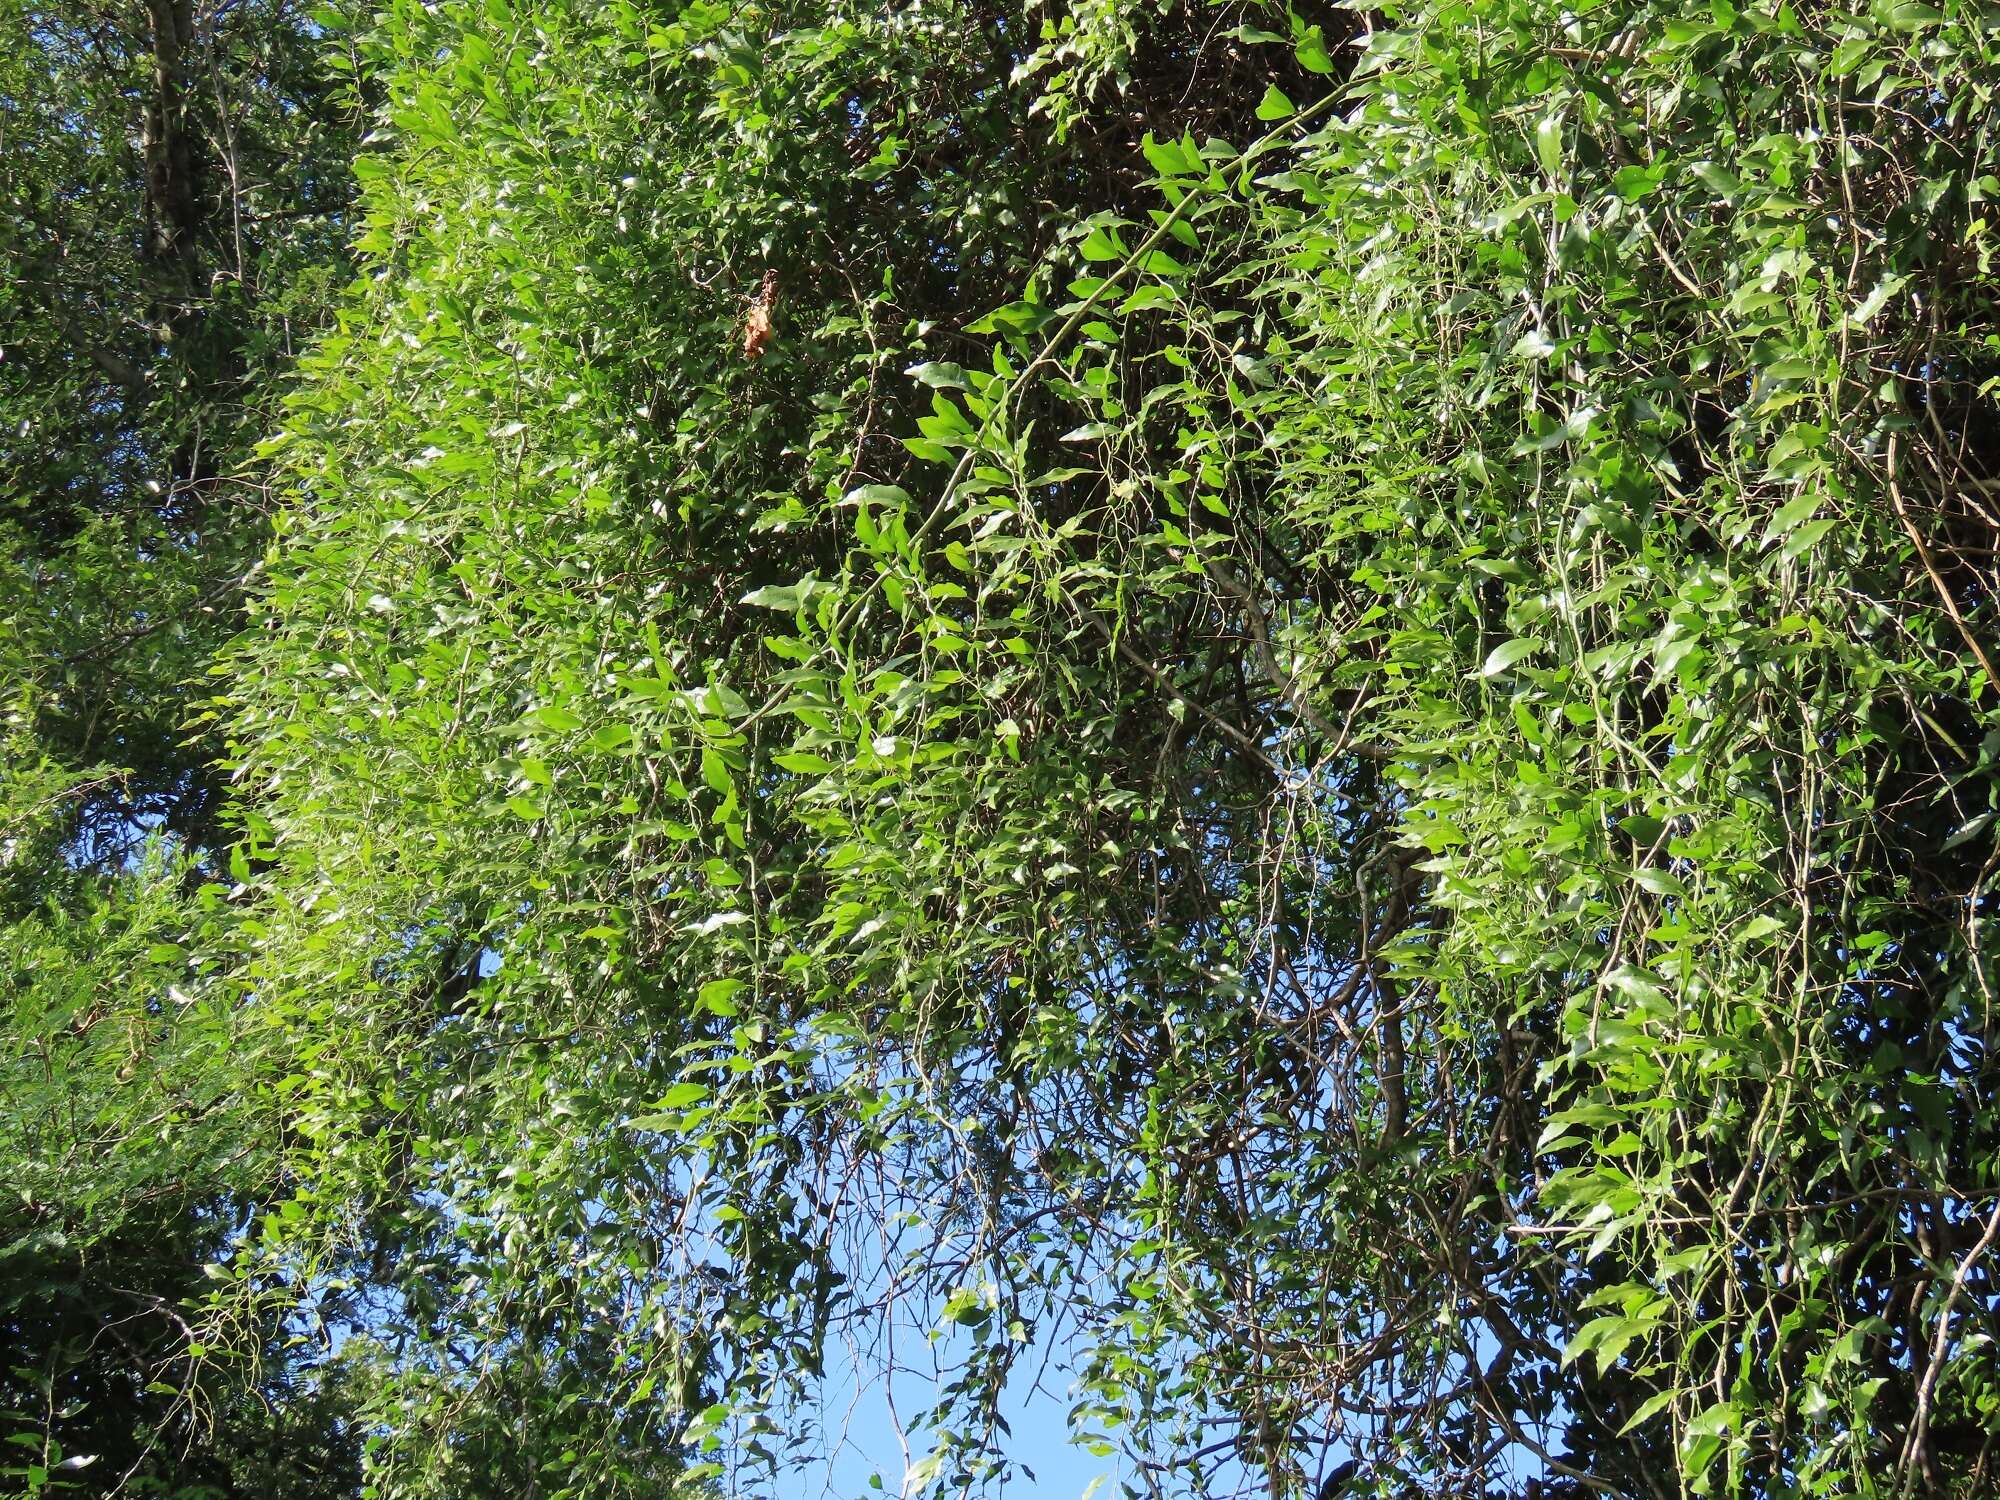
[[1937, 581]]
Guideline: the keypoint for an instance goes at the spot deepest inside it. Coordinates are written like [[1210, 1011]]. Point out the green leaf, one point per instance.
[[1717, 179], [1548, 146], [1794, 511], [1311, 51], [1167, 158], [1507, 653], [803, 762], [891, 495], [1641, 828], [718, 996], [1806, 538], [1659, 882], [1969, 830], [1101, 244], [1641, 985], [1722, 1417], [939, 374], [715, 771], [611, 737], [1635, 184], [683, 1095], [1651, 1407], [1850, 54], [1274, 105]]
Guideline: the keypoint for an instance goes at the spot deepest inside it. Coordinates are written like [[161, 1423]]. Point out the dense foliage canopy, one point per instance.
[[1292, 705]]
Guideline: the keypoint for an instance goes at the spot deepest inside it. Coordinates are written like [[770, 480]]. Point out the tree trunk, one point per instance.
[[172, 212]]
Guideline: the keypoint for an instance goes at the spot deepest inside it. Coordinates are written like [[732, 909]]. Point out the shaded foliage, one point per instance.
[[171, 227]]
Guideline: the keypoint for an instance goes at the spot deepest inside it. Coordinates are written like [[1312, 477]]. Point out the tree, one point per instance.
[[125, 1159], [172, 229], [1306, 692], [174, 235]]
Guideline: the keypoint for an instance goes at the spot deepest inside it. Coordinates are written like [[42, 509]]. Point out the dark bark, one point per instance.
[[173, 210]]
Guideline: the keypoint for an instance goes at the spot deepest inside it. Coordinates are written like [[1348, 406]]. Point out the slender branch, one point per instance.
[[1937, 581]]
